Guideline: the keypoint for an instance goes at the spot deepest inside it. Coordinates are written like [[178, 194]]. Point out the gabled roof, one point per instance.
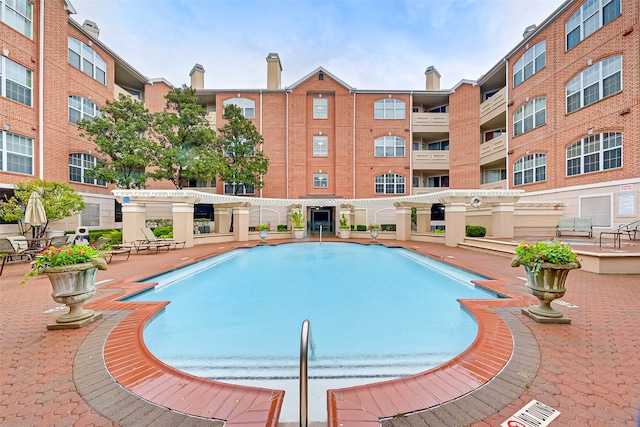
[[68, 7], [316, 71]]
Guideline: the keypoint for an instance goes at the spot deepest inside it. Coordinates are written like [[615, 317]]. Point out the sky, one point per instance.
[[368, 44]]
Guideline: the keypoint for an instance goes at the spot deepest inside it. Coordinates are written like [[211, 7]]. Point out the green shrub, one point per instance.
[[438, 231], [475, 231], [95, 234], [360, 227], [114, 236], [163, 232], [282, 227], [388, 227]]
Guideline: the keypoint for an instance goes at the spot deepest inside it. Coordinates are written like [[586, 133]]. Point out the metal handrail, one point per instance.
[[321, 234], [306, 341]]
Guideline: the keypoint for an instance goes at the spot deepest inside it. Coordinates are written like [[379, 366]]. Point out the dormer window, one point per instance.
[[320, 76]]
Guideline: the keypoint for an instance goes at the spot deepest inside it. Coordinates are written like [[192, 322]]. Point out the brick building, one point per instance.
[[558, 117]]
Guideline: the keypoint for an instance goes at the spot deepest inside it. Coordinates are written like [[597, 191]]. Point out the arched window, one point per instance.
[[389, 146], [596, 82], [389, 183], [531, 168], [87, 60], [594, 153], [389, 108], [79, 165], [247, 106], [530, 116], [592, 15], [81, 109], [532, 61]]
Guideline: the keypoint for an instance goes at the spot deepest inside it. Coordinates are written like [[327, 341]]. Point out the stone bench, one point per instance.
[[574, 225]]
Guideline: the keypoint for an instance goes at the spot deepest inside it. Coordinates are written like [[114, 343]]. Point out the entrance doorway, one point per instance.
[[321, 216]]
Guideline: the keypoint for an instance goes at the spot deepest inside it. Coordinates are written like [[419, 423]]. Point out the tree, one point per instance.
[[60, 201], [239, 141], [120, 133], [188, 149]]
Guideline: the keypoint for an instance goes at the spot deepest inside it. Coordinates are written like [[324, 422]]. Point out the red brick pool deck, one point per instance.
[[589, 370]]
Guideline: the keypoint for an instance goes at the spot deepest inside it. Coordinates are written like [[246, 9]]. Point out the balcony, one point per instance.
[[493, 150], [430, 159], [497, 185], [211, 118], [430, 122], [493, 107], [427, 190]]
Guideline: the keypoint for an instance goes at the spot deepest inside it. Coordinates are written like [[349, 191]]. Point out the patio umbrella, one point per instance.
[[34, 214]]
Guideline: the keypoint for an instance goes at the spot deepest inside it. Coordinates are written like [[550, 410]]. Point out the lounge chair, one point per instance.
[[151, 238], [58, 241], [10, 250], [632, 230], [115, 250]]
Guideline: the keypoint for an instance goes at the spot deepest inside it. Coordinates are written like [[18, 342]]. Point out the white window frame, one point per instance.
[[83, 162], [320, 146], [389, 183], [589, 12], [389, 108], [320, 108], [84, 108], [90, 215], [18, 15], [88, 58], [320, 180], [247, 106], [583, 152], [14, 147], [389, 146], [228, 187], [595, 74], [529, 163], [601, 213], [536, 57], [534, 111], [24, 82]]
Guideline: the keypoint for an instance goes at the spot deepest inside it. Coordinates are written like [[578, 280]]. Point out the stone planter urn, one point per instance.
[[345, 233], [263, 235], [547, 284], [73, 285], [374, 235], [298, 233]]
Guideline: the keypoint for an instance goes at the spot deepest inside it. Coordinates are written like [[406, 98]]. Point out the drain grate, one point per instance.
[[533, 414]]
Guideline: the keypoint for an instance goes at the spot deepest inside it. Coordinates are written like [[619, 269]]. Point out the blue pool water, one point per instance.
[[376, 313]]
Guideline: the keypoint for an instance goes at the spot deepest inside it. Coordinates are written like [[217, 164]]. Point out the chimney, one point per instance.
[[274, 71], [197, 77], [527, 31], [91, 28], [433, 78]]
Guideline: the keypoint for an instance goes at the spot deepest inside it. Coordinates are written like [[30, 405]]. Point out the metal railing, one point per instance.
[[306, 341]]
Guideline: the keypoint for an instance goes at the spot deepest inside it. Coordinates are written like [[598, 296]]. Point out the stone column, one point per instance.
[[454, 220], [424, 219], [241, 224], [222, 220], [134, 217], [502, 220], [403, 223], [183, 223]]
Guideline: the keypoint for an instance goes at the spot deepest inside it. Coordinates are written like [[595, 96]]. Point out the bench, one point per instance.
[[574, 225]]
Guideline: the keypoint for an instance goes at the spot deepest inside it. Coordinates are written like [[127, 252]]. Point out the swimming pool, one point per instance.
[[373, 310]]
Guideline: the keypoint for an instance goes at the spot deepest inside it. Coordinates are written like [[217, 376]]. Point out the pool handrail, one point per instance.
[[306, 341]]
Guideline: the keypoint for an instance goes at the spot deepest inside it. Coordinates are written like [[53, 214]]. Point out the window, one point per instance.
[[441, 109], [81, 109], [599, 209], [90, 215], [247, 106], [489, 135], [230, 188], [18, 14], [592, 15], [438, 181], [320, 146], [493, 175], [15, 81], [389, 109], [320, 108], [87, 60], [320, 76], [117, 211], [320, 180], [533, 60], [594, 153], [79, 166], [389, 146], [530, 116], [16, 153], [598, 81], [389, 183], [440, 145], [530, 168]]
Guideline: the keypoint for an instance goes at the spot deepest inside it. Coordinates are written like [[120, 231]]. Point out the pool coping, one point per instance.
[[166, 393]]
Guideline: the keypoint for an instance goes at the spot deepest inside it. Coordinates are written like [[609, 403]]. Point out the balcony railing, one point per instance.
[[430, 122], [211, 118], [497, 185], [494, 106], [427, 190], [493, 150], [430, 159]]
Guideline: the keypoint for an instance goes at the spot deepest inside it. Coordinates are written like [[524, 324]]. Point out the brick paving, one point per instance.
[[588, 370]]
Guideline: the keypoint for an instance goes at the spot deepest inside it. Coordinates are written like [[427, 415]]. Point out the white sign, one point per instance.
[[626, 204], [533, 414], [626, 187]]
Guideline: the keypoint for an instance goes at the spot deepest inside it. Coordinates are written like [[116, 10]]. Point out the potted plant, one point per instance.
[[374, 229], [298, 224], [345, 228], [546, 265], [72, 272], [263, 229]]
